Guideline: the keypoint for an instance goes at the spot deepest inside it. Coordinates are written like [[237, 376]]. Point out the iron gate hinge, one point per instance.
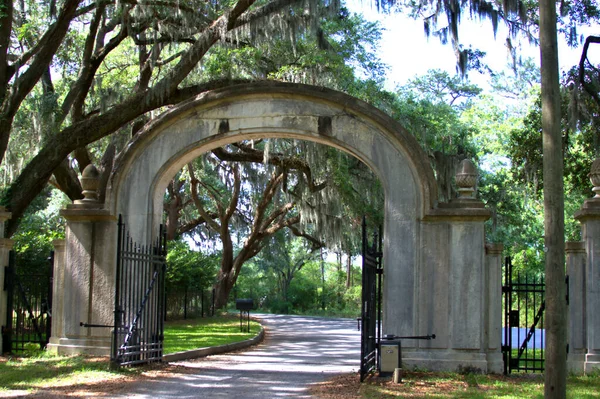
[[6, 278], [82, 324], [567, 282]]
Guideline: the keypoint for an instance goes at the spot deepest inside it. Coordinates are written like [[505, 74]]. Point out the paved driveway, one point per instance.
[[297, 352]]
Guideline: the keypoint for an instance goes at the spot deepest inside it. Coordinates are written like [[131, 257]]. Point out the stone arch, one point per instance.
[[284, 110], [264, 110], [438, 278]]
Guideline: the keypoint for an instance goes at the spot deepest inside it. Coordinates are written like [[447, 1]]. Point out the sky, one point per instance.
[[408, 52]]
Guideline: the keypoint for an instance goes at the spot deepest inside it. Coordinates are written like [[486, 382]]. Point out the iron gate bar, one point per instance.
[[28, 307], [29, 301], [529, 295], [371, 302], [139, 300]]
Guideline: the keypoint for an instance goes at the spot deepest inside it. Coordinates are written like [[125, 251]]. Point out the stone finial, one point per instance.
[[466, 178], [594, 176], [90, 179]]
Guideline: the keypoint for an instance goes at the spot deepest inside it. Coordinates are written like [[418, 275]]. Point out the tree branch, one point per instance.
[[203, 213], [584, 57], [236, 195]]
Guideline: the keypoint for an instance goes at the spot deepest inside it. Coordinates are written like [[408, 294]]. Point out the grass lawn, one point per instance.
[[182, 335], [474, 386], [39, 369]]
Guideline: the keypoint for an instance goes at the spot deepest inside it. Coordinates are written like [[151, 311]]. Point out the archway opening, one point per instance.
[[285, 214]]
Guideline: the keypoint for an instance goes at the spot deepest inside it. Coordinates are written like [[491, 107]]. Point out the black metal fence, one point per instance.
[[139, 300], [29, 303], [371, 302], [190, 303], [524, 334]]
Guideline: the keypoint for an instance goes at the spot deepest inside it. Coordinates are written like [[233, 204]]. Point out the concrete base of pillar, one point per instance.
[[592, 363], [453, 361], [85, 346], [495, 363], [576, 363]]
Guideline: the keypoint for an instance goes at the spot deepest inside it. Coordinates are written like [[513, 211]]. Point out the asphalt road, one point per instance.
[[297, 352]]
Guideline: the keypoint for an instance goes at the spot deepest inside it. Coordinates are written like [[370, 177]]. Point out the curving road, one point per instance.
[[297, 352]]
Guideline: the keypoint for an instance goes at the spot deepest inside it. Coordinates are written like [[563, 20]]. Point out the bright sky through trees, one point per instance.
[[408, 52]]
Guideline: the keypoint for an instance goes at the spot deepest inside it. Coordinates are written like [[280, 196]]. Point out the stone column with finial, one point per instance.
[[589, 217], [85, 275], [457, 285], [6, 245]]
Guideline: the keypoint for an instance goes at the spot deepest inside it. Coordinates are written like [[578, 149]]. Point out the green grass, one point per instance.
[[475, 386], [183, 335], [37, 369], [33, 369]]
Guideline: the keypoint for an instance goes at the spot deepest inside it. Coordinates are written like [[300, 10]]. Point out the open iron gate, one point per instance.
[[372, 272], [29, 304], [139, 300]]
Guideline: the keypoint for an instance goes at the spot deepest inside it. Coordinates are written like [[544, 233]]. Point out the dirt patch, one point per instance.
[[345, 386], [413, 385]]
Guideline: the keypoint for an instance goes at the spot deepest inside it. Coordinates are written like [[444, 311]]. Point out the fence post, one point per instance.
[[5, 247], [58, 287], [589, 217], [576, 329], [493, 278]]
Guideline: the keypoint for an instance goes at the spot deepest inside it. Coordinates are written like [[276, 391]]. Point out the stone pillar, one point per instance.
[[58, 290], [5, 247], [589, 217], [454, 283], [87, 275], [493, 268], [576, 265]]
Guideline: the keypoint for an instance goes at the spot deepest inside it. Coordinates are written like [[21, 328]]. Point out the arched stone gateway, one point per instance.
[[438, 278]]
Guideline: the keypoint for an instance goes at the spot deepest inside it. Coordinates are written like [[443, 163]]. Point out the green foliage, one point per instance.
[[438, 86], [188, 269], [40, 226], [307, 293]]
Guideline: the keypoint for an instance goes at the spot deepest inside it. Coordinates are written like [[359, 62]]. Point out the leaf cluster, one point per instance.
[[188, 269]]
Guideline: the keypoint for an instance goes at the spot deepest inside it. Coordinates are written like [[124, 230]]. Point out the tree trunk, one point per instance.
[[222, 290], [348, 272], [554, 224]]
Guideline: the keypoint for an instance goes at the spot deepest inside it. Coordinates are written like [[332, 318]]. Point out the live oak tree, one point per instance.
[[244, 194], [79, 77], [153, 46]]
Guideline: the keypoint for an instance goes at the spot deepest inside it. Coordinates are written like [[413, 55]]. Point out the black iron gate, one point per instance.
[[372, 272], [524, 335], [29, 304], [139, 300]]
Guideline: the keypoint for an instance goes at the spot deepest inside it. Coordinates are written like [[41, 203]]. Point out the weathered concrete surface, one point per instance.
[[297, 352], [589, 216], [85, 282], [577, 334]]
